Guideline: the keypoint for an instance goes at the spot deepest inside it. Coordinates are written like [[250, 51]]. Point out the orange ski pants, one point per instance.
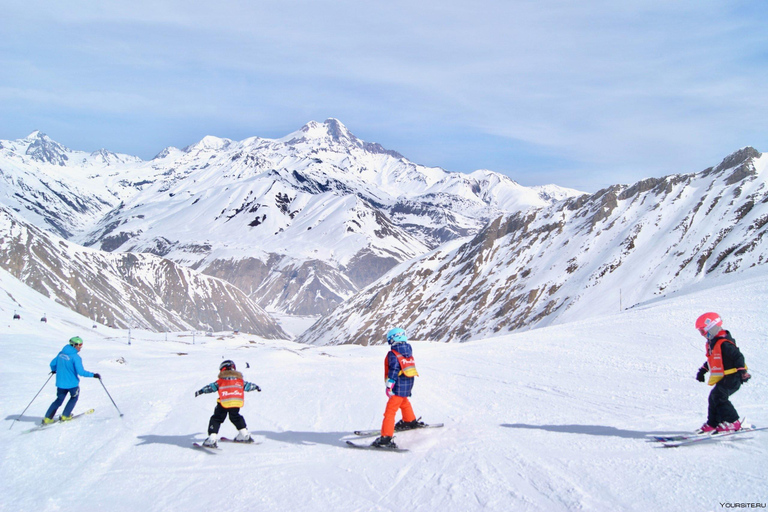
[[396, 403]]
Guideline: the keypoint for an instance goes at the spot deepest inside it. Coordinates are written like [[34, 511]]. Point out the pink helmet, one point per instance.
[[709, 324]]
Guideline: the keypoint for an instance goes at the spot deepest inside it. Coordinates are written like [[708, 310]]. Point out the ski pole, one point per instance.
[[30, 403], [110, 397]]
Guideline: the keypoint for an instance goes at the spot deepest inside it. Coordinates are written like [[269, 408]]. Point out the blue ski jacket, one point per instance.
[[403, 384], [68, 366]]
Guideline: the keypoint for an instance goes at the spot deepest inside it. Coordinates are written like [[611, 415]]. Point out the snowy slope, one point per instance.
[[552, 419]]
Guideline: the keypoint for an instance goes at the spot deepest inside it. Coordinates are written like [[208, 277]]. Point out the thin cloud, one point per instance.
[[581, 93]]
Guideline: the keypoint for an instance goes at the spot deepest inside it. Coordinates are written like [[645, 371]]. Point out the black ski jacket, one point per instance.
[[732, 356]]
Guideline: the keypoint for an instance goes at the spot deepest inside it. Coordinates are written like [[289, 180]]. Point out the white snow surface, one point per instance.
[[550, 419]]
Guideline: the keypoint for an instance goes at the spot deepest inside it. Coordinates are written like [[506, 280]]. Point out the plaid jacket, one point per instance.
[[403, 384]]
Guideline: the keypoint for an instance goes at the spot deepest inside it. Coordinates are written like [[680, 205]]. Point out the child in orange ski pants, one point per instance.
[[396, 403]]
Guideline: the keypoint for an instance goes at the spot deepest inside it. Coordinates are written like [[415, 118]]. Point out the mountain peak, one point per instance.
[[209, 142], [338, 131], [331, 128], [738, 157], [334, 131], [43, 149]]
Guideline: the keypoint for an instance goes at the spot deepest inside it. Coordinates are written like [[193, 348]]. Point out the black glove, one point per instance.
[[744, 376], [701, 374], [197, 393], [53, 372], [258, 389], [96, 376]]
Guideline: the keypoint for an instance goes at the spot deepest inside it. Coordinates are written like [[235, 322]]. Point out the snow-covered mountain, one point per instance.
[[61, 190], [578, 258], [126, 289], [299, 223]]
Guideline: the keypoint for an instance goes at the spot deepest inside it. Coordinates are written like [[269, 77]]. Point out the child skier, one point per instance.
[[68, 367], [727, 372], [231, 388], [399, 374]]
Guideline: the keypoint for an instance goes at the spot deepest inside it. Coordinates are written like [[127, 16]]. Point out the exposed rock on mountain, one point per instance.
[[577, 258], [126, 289]]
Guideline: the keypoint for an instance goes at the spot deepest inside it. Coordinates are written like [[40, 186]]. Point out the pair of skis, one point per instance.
[[371, 433], [58, 420], [226, 440], [360, 433], [675, 440]]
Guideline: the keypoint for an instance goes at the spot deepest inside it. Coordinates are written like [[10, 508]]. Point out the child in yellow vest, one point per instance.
[[399, 375], [727, 372], [231, 388]]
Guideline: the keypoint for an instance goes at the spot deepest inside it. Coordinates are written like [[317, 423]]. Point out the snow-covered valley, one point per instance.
[[548, 419]]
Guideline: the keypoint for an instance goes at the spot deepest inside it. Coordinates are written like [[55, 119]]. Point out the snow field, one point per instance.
[[552, 419]]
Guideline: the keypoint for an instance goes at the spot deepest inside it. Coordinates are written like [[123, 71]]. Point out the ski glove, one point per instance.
[[700, 375], [744, 376], [96, 376], [198, 393], [390, 385]]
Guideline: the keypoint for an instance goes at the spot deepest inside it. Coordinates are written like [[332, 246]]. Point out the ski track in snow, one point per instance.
[[552, 419]]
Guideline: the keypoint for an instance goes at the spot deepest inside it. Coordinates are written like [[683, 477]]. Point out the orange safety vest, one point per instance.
[[231, 389], [715, 362], [407, 365]]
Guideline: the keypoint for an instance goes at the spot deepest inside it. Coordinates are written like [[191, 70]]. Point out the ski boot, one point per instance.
[[243, 436], [47, 421], [408, 425], [728, 427], [212, 441], [706, 429], [384, 442], [65, 418]]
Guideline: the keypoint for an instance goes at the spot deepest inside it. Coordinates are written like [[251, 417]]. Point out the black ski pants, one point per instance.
[[220, 414], [720, 407]]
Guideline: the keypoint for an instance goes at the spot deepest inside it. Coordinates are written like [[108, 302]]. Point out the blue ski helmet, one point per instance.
[[396, 335]]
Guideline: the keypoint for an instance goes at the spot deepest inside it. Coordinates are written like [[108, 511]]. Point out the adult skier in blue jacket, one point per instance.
[[68, 367]]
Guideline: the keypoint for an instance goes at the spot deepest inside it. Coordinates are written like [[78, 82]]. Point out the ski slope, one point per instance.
[[553, 419]]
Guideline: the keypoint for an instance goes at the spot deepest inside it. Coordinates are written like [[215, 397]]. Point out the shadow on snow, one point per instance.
[[591, 430], [305, 438], [24, 419], [185, 441]]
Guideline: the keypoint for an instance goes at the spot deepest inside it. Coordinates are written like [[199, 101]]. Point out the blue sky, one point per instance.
[[581, 94]]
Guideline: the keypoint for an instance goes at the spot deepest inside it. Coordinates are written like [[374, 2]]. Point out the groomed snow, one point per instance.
[[546, 420]]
